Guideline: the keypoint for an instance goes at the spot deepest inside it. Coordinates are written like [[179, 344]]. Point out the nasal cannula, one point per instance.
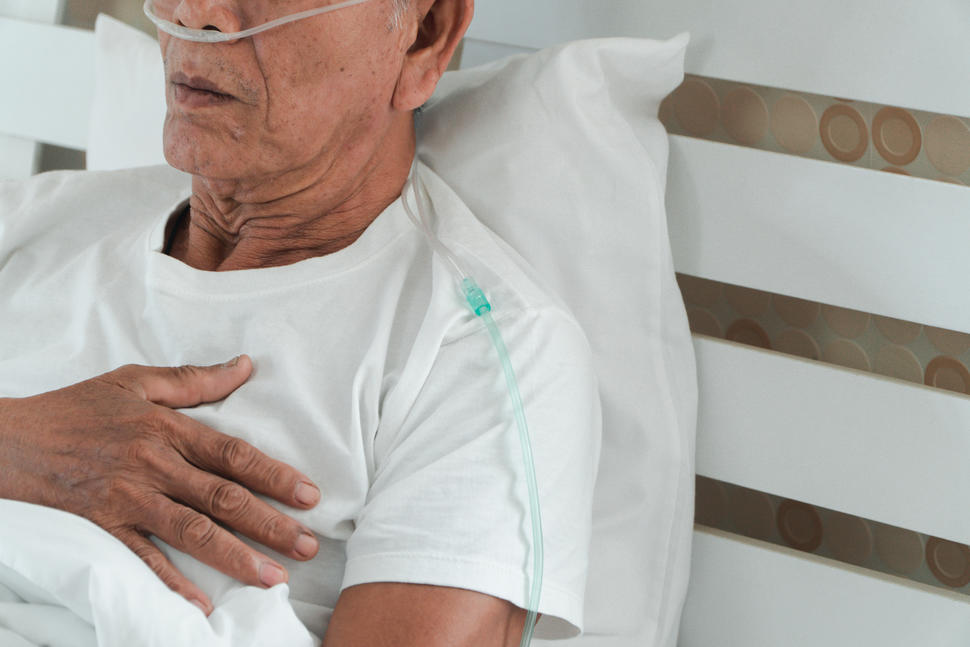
[[215, 36], [472, 295]]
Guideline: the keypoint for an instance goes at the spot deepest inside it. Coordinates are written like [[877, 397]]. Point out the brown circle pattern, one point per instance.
[[950, 342], [846, 322], [752, 513], [897, 330], [846, 353], [898, 362], [796, 342], [948, 561], [697, 107], [900, 549], [797, 312], [748, 302], [849, 538], [800, 525], [704, 322], [947, 373], [746, 331], [948, 145], [744, 114], [896, 135], [794, 124], [844, 133]]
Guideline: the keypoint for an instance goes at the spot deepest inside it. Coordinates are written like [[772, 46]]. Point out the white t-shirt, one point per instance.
[[371, 377]]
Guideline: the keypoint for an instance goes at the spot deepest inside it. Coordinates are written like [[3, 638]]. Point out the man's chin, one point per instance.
[[195, 159], [197, 151]]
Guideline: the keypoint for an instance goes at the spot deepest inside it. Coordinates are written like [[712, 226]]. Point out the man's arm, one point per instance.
[[446, 503], [386, 614], [111, 449]]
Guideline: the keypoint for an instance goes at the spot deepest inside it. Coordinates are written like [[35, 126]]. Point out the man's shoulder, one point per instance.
[[86, 204], [495, 264]]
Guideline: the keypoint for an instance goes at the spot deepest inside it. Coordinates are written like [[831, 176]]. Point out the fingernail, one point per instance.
[[271, 574], [232, 362], [306, 545], [201, 605], [306, 493]]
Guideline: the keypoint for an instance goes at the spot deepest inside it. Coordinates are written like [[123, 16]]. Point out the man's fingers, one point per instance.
[[239, 461], [201, 537], [156, 560], [236, 507], [185, 386]]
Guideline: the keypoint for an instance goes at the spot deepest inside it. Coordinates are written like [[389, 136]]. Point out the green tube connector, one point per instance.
[[475, 297]]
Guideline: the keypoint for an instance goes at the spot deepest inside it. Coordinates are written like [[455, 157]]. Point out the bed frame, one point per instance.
[[827, 298]]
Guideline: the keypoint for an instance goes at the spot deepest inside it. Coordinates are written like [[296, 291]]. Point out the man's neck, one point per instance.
[[278, 221]]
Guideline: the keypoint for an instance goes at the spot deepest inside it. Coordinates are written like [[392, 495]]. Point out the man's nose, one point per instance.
[[218, 15]]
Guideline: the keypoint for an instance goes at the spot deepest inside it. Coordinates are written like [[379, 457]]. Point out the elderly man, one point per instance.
[[404, 506]]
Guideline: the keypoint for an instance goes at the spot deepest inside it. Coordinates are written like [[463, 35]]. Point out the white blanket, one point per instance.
[[65, 582]]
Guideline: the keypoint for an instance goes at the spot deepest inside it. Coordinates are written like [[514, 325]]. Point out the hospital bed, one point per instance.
[[826, 296]]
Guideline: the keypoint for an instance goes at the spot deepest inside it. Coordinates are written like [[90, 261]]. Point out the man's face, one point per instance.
[[300, 98]]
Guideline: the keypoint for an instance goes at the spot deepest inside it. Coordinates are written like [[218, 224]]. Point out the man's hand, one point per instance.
[[112, 449]]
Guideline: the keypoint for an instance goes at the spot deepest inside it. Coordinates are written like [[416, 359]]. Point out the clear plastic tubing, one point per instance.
[[215, 36], [476, 300]]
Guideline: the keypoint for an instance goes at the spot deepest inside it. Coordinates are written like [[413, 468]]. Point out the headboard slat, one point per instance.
[[39, 108], [745, 593], [44, 11], [842, 439], [907, 54], [18, 157], [879, 242]]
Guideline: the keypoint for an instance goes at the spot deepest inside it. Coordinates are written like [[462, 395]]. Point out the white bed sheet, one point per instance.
[[65, 582]]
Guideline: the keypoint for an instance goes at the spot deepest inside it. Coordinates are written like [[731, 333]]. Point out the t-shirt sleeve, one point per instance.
[[449, 503]]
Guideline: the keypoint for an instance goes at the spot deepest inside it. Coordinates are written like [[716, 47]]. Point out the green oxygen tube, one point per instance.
[[478, 303]]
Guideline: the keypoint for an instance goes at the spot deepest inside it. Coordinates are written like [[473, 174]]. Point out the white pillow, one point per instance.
[[561, 154], [128, 111]]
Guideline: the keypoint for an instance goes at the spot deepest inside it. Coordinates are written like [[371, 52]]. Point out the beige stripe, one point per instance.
[[903, 350], [829, 533], [884, 138]]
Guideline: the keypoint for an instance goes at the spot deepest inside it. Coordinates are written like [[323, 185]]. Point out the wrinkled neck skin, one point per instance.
[[249, 223]]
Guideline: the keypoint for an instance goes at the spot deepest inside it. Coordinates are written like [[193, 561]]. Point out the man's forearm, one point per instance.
[[395, 614]]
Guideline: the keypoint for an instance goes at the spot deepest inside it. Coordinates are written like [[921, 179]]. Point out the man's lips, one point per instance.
[[197, 91], [197, 83], [189, 98]]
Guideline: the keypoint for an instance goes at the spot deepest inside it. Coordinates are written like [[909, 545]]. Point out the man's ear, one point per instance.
[[435, 28]]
